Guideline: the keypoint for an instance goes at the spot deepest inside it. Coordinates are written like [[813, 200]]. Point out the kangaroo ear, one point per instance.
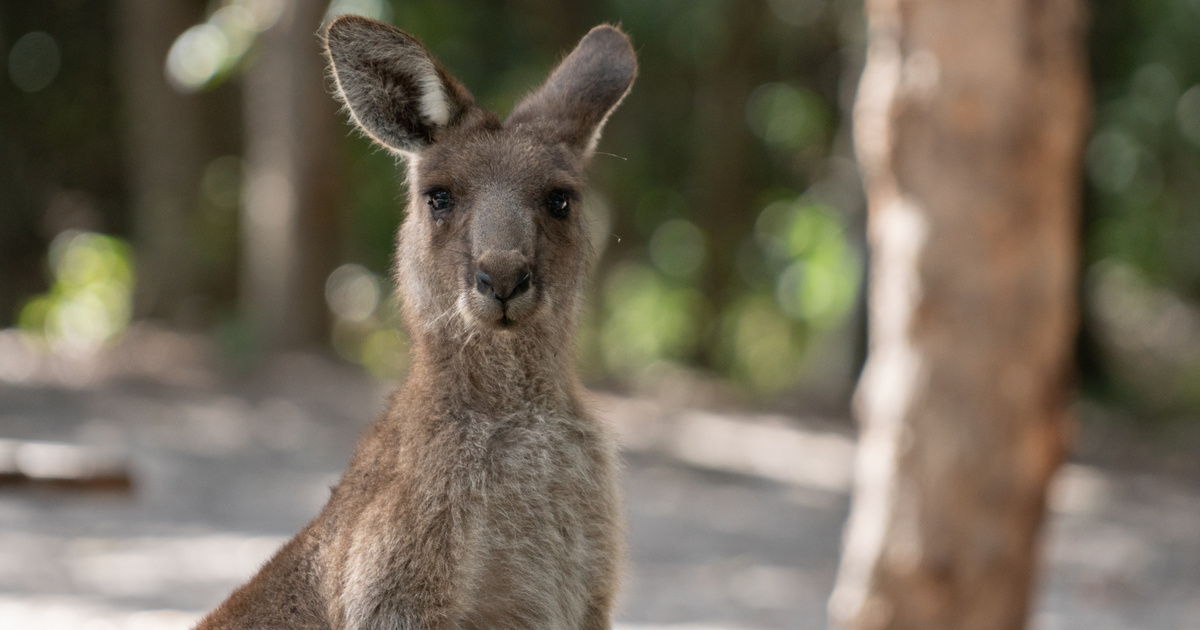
[[583, 90], [396, 92]]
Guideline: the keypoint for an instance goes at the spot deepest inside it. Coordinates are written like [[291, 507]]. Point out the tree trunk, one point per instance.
[[969, 125], [288, 238], [163, 152]]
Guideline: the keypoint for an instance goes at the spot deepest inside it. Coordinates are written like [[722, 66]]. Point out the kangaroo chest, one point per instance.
[[542, 502]]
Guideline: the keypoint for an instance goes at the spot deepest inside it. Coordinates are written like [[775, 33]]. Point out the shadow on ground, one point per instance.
[[735, 520]]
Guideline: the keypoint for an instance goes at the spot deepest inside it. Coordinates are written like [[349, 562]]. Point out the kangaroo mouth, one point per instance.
[[507, 322], [507, 314]]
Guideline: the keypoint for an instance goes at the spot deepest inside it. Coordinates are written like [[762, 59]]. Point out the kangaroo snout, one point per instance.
[[503, 275]]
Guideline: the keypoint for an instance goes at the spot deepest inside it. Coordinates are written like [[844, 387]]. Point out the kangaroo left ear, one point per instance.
[[395, 90], [575, 102]]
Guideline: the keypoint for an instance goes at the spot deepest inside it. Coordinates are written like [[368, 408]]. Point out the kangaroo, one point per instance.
[[485, 496]]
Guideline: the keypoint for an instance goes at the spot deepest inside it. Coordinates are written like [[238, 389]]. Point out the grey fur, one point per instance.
[[486, 494]]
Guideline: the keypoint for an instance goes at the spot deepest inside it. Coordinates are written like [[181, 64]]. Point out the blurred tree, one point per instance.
[[720, 219], [969, 125], [164, 160], [288, 239], [58, 137], [725, 200]]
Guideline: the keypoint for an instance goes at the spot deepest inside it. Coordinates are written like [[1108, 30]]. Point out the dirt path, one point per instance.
[[735, 520]]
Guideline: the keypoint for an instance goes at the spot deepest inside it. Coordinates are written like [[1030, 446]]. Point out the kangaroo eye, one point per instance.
[[438, 200], [559, 203]]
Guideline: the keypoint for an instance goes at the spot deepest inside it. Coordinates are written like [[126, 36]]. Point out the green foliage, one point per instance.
[[217, 224], [648, 317], [668, 286], [1143, 160], [88, 303], [364, 327], [1143, 199], [816, 272], [788, 117], [760, 345], [376, 199], [59, 139], [729, 243]]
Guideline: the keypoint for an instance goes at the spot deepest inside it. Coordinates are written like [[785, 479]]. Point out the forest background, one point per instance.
[[727, 208]]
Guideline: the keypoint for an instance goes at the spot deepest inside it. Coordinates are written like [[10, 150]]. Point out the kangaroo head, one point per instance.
[[493, 239]]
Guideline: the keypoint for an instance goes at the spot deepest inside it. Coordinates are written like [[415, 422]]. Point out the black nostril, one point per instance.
[[483, 283], [523, 281]]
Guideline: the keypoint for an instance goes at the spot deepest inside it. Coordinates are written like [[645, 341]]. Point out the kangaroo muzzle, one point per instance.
[[503, 275]]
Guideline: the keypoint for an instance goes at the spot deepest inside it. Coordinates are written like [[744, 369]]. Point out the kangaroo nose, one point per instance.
[[483, 283], [503, 275]]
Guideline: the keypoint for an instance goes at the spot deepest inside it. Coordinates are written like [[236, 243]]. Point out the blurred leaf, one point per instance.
[[88, 304]]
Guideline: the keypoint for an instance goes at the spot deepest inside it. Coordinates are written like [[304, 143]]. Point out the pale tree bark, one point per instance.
[[287, 227], [163, 151], [969, 124]]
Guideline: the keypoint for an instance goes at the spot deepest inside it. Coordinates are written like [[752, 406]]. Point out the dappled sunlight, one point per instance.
[[1112, 160], [365, 323], [646, 318], [770, 447], [88, 578], [61, 613], [777, 452], [159, 175], [146, 567], [207, 53], [89, 303], [677, 248], [763, 346], [1150, 335], [787, 116], [375, 9], [19, 357], [34, 61], [352, 293], [820, 272], [50, 613], [804, 269], [142, 352], [197, 56], [1140, 287], [735, 517]]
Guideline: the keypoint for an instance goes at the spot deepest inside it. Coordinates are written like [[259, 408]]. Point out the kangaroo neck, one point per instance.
[[498, 371]]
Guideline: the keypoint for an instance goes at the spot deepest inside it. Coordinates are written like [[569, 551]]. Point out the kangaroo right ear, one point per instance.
[[394, 89], [574, 103]]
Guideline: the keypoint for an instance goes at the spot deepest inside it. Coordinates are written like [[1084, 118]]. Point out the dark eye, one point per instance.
[[559, 203], [438, 200]]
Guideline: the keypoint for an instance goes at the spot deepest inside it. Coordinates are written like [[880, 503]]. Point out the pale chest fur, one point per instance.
[[520, 527], [542, 522]]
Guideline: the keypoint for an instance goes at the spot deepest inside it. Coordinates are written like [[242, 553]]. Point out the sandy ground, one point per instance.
[[735, 519]]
